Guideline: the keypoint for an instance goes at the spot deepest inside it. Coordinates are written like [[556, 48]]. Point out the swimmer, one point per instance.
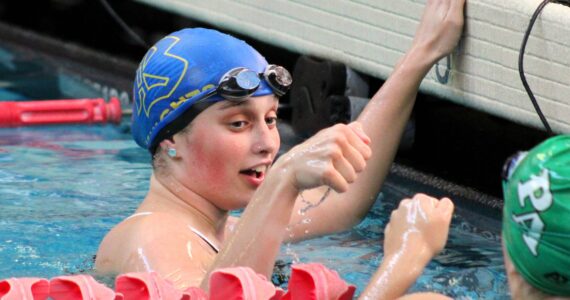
[[205, 107], [535, 230]]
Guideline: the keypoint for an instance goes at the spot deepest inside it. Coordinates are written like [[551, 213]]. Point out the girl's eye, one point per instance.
[[237, 124], [271, 120]]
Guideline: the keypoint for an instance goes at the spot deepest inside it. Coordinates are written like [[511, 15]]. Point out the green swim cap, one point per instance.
[[536, 216]]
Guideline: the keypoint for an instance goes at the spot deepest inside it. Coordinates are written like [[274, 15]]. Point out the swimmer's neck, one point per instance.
[[166, 194]]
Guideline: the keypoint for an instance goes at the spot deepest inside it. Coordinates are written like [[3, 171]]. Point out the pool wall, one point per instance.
[[371, 35]]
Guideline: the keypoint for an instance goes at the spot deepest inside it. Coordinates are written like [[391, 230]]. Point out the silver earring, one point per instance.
[[171, 152]]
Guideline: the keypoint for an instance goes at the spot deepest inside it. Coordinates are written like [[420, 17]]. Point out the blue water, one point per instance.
[[63, 188]]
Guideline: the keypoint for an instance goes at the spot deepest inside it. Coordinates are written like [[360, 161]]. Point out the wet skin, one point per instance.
[[220, 165]]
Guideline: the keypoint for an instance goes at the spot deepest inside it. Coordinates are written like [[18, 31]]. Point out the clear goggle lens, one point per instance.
[[240, 83]]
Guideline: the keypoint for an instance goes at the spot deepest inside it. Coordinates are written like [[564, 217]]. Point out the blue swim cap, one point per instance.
[[179, 70]]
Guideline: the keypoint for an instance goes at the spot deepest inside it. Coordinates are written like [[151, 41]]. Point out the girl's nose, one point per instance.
[[266, 141]]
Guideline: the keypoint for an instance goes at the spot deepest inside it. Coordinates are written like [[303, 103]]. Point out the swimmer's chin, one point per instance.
[[237, 202]]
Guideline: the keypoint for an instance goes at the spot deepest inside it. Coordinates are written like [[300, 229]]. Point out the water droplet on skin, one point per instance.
[[306, 231], [306, 221], [290, 252]]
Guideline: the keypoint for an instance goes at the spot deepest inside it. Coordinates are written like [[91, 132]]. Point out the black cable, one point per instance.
[[123, 25], [521, 69]]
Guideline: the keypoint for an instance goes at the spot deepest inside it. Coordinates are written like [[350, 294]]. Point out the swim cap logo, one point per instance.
[[537, 190], [159, 68]]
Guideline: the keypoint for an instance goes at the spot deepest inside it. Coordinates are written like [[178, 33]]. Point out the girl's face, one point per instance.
[[228, 149]]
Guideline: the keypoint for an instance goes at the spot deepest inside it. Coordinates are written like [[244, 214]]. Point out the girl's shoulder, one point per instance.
[[153, 239]]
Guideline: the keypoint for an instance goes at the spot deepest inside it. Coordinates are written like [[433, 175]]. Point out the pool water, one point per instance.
[[60, 189], [63, 187]]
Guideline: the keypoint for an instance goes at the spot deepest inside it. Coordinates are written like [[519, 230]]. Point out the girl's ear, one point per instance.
[[167, 144]]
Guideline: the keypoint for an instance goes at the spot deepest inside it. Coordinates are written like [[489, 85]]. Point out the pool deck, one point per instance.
[[371, 35]]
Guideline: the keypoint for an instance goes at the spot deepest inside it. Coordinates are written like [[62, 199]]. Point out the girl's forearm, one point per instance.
[[260, 231], [384, 120], [395, 276]]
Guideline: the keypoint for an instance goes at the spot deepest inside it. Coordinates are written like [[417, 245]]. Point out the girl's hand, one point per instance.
[[417, 231], [418, 228], [440, 27], [333, 157]]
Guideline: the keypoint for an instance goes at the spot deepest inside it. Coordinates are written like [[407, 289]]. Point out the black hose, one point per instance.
[[521, 69], [123, 25]]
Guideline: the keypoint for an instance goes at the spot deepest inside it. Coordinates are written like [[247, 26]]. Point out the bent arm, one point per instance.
[[383, 120], [385, 116]]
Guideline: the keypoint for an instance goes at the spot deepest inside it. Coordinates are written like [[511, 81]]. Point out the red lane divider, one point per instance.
[[66, 111], [311, 281]]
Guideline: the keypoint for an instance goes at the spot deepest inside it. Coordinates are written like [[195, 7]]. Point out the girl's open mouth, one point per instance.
[[255, 175], [256, 172]]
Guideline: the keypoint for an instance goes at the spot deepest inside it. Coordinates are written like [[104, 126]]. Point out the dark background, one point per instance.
[[449, 141]]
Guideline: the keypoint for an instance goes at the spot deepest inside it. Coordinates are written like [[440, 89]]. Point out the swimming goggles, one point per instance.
[[240, 83], [511, 164]]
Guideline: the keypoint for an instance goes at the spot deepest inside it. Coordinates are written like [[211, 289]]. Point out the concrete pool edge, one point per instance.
[[370, 36]]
